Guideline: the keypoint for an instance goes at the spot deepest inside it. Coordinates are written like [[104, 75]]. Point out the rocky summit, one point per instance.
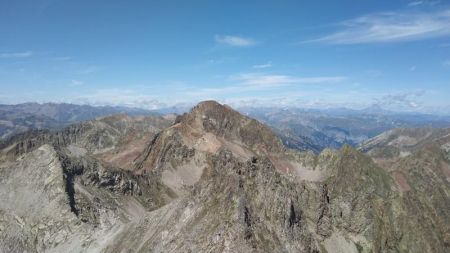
[[213, 180]]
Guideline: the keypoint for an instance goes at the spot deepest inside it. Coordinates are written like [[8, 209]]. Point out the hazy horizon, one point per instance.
[[244, 106]]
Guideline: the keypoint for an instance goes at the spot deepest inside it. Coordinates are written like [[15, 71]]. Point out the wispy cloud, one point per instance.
[[263, 66], [89, 70], [265, 80], [415, 3], [221, 60], [423, 2], [62, 58], [446, 63], [262, 80], [76, 83], [16, 55], [391, 27], [235, 41], [256, 82]]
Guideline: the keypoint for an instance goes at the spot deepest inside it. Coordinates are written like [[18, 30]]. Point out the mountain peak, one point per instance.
[[208, 128], [212, 109], [210, 104], [224, 122]]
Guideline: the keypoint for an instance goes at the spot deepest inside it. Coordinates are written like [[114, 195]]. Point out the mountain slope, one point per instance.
[[403, 141], [214, 181], [419, 162]]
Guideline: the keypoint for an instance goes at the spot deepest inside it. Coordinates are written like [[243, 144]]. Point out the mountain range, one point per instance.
[[214, 180], [301, 129], [22, 117], [312, 129]]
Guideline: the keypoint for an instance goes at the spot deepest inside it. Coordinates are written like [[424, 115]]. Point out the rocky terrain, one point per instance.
[[213, 180]]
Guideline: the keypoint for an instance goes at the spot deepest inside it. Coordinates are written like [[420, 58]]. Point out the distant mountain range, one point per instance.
[[312, 129], [22, 117], [301, 129]]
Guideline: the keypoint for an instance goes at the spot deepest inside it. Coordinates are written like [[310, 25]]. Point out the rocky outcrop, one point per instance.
[[116, 140]]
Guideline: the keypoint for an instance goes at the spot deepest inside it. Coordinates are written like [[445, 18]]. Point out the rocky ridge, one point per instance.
[[214, 181]]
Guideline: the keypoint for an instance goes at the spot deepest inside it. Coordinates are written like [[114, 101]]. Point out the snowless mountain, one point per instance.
[[19, 118], [213, 180]]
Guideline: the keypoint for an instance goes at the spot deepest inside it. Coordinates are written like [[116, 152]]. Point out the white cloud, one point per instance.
[[264, 80], [76, 83], [255, 82], [89, 70], [62, 58], [423, 2], [263, 66], [415, 3], [391, 27], [234, 41], [261, 80], [221, 60], [16, 55]]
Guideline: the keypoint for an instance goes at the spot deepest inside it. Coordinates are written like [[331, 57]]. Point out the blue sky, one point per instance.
[[283, 53]]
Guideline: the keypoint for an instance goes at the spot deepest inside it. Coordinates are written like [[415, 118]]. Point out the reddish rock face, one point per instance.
[[401, 181], [209, 127], [229, 124]]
